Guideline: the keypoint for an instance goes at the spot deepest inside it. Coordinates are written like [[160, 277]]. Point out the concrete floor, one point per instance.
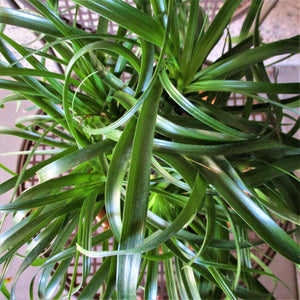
[[283, 22]]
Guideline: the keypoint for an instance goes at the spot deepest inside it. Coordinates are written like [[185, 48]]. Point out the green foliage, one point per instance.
[[147, 144]]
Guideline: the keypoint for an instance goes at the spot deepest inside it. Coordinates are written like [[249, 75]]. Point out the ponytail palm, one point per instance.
[[144, 135]]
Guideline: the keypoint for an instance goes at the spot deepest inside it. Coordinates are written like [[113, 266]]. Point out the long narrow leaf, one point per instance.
[[137, 194], [257, 219], [122, 13]]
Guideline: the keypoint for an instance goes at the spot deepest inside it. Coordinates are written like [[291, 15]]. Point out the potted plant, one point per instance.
[[145, 139]]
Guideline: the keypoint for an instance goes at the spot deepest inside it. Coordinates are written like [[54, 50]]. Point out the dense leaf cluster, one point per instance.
[[147, 143]]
